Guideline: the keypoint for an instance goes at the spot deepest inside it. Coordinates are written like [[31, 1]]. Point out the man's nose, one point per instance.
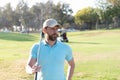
[[55, 31]]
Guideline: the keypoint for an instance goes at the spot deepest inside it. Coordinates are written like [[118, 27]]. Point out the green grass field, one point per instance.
[[96, 53]]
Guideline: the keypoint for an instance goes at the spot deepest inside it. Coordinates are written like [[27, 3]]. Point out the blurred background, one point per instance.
[[28, 16], [90, 27]]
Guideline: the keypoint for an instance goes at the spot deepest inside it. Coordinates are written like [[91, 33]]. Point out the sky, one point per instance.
[[75, 5]]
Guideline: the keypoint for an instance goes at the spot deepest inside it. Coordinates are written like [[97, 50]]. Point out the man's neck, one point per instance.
[[51, 43]]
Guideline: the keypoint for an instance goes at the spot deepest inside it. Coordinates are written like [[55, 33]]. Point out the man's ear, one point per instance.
[[44, 30]]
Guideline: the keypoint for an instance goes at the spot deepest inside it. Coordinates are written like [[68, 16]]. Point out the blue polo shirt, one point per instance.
[[51, 59]]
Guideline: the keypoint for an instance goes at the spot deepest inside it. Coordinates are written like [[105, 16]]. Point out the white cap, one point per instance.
[[50, 23]]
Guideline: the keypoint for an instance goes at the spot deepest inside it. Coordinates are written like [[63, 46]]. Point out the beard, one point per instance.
[[53, 37]]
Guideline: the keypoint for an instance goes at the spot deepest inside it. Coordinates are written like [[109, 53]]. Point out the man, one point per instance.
[[50, 55]]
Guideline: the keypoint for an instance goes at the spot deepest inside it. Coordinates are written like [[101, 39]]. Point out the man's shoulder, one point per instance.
[[63, 44]]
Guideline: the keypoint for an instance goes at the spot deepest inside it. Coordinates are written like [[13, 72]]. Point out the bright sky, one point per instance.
[[75, 5]]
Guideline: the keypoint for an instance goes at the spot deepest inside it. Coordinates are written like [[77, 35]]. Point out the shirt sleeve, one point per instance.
[[69, 55], [34, 51]]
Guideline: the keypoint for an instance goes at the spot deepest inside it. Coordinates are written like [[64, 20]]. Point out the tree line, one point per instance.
[[33, 17], [105, 15]]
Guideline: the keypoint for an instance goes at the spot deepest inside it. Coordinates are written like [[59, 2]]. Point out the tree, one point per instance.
[[110, 11], [86, 16], [63, 13], [26, 17], [7, 16], [114, 2]]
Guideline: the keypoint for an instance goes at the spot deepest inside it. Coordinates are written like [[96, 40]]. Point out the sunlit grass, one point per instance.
[[96, 54]]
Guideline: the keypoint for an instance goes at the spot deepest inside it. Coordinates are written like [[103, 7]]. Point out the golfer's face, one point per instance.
[[52, 33]]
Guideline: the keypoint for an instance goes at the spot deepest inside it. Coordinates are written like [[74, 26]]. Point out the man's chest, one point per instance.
[[52, 55]]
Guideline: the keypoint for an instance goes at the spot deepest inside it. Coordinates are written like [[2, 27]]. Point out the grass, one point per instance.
[[96, 53]]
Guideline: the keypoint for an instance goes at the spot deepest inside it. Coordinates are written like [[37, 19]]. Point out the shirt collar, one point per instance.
[[45, 43]]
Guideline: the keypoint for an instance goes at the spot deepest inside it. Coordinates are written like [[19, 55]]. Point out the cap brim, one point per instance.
[[56, 25]]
